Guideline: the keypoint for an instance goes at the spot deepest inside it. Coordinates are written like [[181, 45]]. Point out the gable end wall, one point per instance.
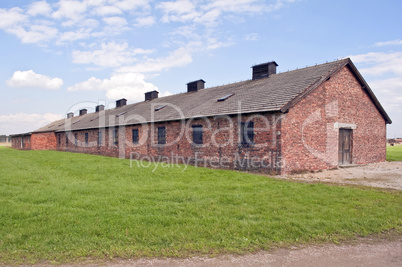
[[309, 138]]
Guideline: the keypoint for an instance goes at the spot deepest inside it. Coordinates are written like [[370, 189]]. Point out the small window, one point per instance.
[[100, 138], [66, 139], [76, 139], [247, 133], [86, 139], [59, 137], [161, 135], [197, 134], [116, 137], [135, 136]]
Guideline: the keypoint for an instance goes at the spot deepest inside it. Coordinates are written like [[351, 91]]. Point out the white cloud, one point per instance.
[[109, 55], [251, 37], [90, 23], [393, 42], [70, 9], [238, 6], [130, 4], [177, 58], [383, 71], [131, 86], [11, 17], [209, 18], [180, 10], [25, 122], [145, 21], [35, 34], [115, 21], [213, 43], [108, 10], [31, 79], [39, 8], [389, 92], [73, 36], [379, 63]]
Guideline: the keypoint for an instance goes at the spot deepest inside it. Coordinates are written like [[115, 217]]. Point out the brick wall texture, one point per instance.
[[303, 139], [43, 141], [22, 142], [309, 138]]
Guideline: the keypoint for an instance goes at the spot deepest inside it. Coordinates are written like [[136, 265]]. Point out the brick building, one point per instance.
[[313, 118]]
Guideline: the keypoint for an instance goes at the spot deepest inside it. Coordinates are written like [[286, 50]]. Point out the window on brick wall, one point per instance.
[[86, 139], [247, 133], [59, 138], [161, 135], [76, 139], [135, 136], [197, 134], [115, 137], [66, 139], [100, 138]]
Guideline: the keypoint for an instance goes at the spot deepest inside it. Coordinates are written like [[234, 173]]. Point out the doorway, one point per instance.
[[345, 148]]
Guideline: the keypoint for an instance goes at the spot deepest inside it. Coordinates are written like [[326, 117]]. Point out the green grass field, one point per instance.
[[394, 153], [64, 207]]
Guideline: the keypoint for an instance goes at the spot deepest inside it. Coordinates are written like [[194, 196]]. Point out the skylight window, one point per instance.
[[225, 97], [118, 115], [159, 108]]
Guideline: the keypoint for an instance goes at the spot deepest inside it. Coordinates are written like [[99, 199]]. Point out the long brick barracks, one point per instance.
[[308, 119]]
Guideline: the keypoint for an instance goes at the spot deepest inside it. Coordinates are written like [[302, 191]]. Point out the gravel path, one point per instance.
[[367, 252], [383, 175]]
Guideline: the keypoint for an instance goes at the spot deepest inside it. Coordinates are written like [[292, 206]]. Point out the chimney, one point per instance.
[[83, 112], [195, 86], [121, 102], [151, 95], [264, 70], [70, 115], [99, 108]]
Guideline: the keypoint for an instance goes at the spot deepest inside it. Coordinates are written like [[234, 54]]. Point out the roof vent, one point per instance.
[[70, 115], [99, 108], [121, 102], [195, 86], [151, 95], [83, 112], [264, 70]]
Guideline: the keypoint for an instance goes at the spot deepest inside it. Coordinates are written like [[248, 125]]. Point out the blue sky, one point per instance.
[[59, 56]]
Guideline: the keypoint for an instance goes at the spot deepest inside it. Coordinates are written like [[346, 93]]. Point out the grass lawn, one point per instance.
[[394, 153], [65, 207]]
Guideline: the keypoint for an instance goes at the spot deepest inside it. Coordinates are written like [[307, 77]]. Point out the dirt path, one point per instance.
[[383, 175], [363, 252]]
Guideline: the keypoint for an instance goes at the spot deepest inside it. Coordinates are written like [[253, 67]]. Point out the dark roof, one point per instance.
[[277, 93]]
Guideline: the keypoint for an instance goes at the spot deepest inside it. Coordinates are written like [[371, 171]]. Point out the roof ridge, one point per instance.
[[316, 65]]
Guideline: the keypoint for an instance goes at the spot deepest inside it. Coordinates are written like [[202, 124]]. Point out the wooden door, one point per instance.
[[345, 148]]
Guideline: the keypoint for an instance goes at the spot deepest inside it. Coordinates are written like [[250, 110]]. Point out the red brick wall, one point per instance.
[[43, 141], [220, 148], [305, 138], [310, 140], [21, 142], [75, 142]]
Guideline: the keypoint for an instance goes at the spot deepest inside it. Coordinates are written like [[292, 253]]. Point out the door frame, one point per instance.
[[345, 146]]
